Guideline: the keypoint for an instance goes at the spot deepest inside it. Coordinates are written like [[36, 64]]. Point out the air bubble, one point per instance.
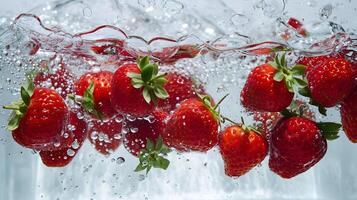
[[326, 12], [70, 152]]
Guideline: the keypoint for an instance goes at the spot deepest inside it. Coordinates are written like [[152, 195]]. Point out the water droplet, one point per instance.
[[173, 7], [87, 12], [70, 152], [75, 144], [239, 20], [311, 3], [134, 129], [120, 161], [326, 12], [94, 135], [130, 118]]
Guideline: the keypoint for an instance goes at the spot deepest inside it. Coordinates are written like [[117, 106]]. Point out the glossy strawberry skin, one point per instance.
[[240, 150], [44, 121], [61, 80], [125, 98], [349, 116], [77, 131], [262, 93], [179, 88], [331, 82], [102, 89], [150, 128], [106, 136], [296, 146], [192, 126]]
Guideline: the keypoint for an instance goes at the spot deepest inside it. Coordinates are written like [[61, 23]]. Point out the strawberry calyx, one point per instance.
[[19, 108], [329, 130], [290, 75], [207, 101], [153, 156], [150, 80], [248, 129], [87, 101]]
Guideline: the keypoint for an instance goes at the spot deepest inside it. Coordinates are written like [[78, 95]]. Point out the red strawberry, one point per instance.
[[95, 89], [349, 116], [63, 155], [38, 119], [269, 87], [297, 144], [193, 126], [312, 62], [140, 130], [242, 149], [179, 88], [298, 26], [136, 87], [331, 82], [106, 135], [59, 79]]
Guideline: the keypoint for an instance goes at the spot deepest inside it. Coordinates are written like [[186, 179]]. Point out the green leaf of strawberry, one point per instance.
[[149, 79], [290, 75], [20, 107], [153, 156], [329, 129], [88, 102]]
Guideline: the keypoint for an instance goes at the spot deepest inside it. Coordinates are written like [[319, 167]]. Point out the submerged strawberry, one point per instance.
[[330, 82], [349, 116], [106, 135], [66, 150], [270, 87], [37, 121], [297, 144], [59, 79], [141, 130], [242, 148], [193, 126], [137, 87]]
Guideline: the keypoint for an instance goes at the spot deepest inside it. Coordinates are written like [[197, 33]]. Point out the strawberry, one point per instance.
[[193, 126], [140, 130], [329, 83], [136, 88], [65, 152], [349, 116], [298, 26], [59, 79], [37, 121], [297, 144], [94, 89], [242, 148], [270, 87], [179, 88], [106, 135], [312, 62]]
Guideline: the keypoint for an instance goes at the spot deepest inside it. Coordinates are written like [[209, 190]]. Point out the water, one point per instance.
[[228, 35]]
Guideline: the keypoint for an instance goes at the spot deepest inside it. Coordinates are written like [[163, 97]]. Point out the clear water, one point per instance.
[[227, 33]]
